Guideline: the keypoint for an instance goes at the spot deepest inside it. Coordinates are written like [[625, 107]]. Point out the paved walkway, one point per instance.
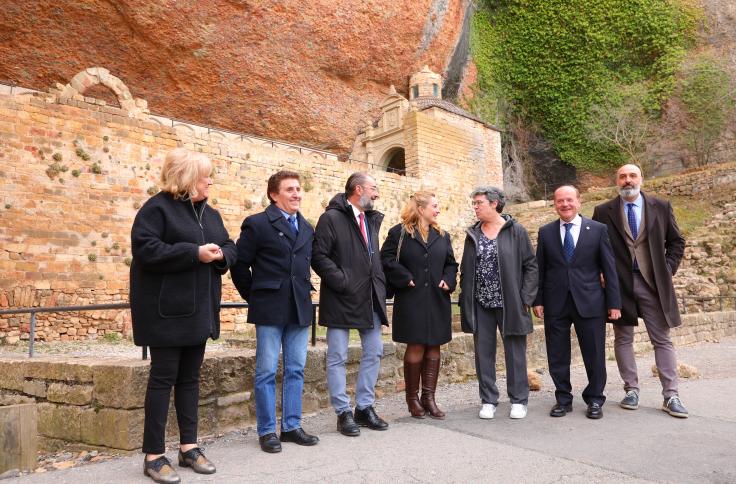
[[646, 445]]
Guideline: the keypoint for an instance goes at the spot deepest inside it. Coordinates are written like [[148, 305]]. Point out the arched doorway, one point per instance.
[[394, 161]]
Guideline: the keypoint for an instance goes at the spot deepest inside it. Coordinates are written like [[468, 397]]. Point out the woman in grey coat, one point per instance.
[[498, 283]]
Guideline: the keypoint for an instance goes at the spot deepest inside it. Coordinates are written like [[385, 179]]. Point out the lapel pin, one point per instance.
[[587, 227], [281, 234]]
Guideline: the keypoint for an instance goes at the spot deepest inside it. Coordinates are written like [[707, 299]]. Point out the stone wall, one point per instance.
[[100, 403], [76, 170]]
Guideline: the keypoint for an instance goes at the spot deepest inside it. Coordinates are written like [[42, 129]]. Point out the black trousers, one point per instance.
[[176, 367], [591, 333]]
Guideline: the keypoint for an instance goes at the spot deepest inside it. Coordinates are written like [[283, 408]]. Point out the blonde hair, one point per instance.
[[181, 171], [410, 215]]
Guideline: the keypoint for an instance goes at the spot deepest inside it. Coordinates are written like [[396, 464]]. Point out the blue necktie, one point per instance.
[[631, 217], [292, 225], [568, 247]]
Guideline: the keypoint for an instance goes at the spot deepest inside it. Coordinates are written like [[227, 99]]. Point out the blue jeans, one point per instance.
[[370, 363], [269, 340]]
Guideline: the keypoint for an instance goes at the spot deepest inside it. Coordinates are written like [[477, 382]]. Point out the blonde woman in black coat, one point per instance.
[[180, 251], [419, 263]]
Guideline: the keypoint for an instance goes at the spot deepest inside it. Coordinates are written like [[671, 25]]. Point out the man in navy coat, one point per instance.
[[272, 274], [578, 285]]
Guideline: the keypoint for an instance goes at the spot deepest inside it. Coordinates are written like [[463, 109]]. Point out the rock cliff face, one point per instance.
[[308, 72]]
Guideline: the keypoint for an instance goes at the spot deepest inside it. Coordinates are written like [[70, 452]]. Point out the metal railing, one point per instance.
[[242, 305], [101, 307], [703, 299]]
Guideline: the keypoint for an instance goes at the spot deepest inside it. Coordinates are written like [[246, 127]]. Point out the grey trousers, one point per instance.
[[517, 383], [655, 322], [371, 344]]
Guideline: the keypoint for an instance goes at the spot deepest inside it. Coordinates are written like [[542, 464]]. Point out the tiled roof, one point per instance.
[[426, 102]]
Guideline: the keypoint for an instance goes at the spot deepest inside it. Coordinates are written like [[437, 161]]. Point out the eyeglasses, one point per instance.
[[370, 187], [477, 203]]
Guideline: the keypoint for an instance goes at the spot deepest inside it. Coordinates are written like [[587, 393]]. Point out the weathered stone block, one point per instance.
[[12, 374], [232, 416], [233, 399], [236, 374], [112, 427], [122, 385], [315, 368], [58, 368], [208, 377], [73, 394], [37, 388], [59, 421], [18, 428]]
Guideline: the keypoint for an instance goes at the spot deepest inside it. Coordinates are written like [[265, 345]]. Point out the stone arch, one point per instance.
[[393, 160], [93, 76]]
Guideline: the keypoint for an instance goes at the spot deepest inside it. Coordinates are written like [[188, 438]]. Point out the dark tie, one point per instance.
[[568, 247], [631, 217], [292, 225]]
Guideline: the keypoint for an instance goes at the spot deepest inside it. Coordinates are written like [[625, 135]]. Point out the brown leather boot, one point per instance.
[[430, 372], [412, 372]]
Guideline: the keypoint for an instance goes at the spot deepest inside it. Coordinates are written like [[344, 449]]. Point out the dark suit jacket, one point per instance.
[[272, 272], [581, 277], [666, 247]]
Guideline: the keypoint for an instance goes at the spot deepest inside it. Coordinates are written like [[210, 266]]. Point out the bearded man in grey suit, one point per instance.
[[648, 247]]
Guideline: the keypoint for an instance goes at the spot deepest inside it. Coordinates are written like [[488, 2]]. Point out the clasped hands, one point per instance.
[[210, 253]]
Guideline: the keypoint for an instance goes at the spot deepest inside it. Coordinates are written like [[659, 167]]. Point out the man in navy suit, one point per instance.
[[272, 274], [578, 285]]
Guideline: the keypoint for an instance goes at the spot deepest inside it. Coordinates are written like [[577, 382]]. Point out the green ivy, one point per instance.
[[549, 61]]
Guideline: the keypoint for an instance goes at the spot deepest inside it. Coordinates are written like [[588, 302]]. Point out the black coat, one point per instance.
[[581, 276], [519, 278], [352, 285], [666, 247], [175, 298], [272, 272], [422, 314]]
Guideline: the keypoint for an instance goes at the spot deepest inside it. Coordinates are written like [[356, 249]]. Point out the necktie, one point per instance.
[[363, 232], [631, 217], [292, 225], [568, 247]]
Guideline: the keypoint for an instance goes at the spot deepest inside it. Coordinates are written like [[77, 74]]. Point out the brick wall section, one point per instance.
[[76, 170], [101, 403]]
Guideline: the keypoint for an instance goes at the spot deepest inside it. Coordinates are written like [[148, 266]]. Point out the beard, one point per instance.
[[366, 203], [629, 191]]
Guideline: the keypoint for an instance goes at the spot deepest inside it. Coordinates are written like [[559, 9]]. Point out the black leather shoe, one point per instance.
[[346, 424], [195, 459], [270, 443], [299, 436], [594, 411], [560, 410], [369, 418]]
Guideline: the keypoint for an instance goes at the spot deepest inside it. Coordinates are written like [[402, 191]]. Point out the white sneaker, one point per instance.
[[518, 410], [487, 411]]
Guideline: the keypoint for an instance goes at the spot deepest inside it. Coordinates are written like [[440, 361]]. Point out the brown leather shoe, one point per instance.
[[195, 459], [412, 372], [430, 372], [160, 470]]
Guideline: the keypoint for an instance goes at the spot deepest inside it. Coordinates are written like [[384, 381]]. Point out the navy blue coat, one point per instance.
[[581, 277], [272, 271]]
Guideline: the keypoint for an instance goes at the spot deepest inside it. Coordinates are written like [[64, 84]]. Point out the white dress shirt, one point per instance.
[[574, 230]]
